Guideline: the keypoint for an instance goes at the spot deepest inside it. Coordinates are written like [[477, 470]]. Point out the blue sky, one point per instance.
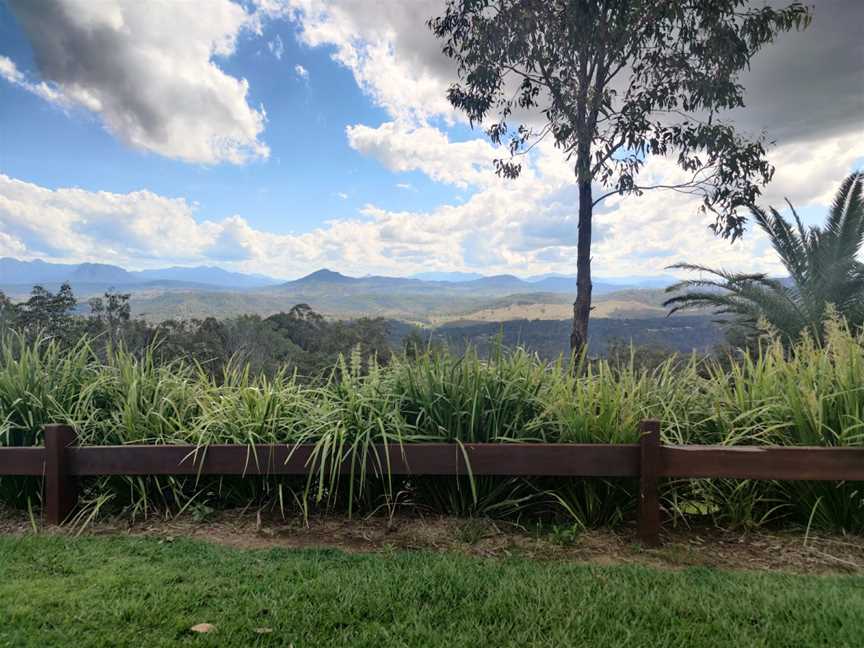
[[310, 165], [136, 134]]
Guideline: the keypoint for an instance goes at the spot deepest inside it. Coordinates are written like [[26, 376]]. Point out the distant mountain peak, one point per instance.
[[98, 272], [325, 275]]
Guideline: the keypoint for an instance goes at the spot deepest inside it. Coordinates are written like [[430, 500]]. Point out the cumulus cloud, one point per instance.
[[301, 72], [386, 45], [404, 148], [809, 170], [138, 229], [11, 247], [526, 226], [149, 70], [805, 90]]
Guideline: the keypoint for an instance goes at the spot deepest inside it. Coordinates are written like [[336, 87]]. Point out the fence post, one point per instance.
[[61, 489], [649, 503]]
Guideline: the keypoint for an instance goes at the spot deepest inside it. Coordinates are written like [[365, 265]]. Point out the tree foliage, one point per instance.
[[47, 311], [823, 268], [623, 79]]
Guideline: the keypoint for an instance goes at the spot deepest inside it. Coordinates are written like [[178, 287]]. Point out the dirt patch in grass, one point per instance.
[[790, 551]]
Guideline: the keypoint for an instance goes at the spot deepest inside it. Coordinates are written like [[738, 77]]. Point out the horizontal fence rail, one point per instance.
[[537, 460], [513, 460], [754, 462], [22, 461], [60, 462]]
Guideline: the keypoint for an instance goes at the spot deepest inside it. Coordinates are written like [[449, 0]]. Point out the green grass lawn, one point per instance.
[[113, 591]]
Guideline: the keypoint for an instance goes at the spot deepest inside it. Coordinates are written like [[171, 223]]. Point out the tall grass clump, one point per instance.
[[40, 383], [348, 416], [470, 400], [810, 393], [139, 400]]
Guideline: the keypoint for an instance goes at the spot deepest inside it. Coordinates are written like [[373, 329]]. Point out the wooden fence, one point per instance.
[[61, 461]]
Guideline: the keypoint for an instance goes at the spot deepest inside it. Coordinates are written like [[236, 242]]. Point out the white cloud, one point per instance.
[[276, 47], [11, 247], [808, 172], [395, 59], [149, 70], [10, 72], [404, 148], [301, 72], [386, 45], [342, 195]]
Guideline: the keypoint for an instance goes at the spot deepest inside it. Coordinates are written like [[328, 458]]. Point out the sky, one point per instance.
[[282, 136]]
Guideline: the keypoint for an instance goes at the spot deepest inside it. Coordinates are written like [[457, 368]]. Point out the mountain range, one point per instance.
[[454, 282], [429, 299], [17, 274], [17, 277]]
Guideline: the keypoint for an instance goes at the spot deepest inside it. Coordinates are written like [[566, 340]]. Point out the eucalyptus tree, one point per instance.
[[614, 82], [823, 268], [48, 313]]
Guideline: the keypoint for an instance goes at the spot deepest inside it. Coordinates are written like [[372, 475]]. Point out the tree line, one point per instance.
[[299, 340]]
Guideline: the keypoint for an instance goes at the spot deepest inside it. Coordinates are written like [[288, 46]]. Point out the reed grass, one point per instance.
[[811, 394]]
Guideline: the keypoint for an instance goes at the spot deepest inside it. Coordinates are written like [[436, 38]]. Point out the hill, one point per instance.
[[421, 306], [549, 338]]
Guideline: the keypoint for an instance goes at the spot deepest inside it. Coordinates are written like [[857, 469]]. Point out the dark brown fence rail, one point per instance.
[[61, 461]]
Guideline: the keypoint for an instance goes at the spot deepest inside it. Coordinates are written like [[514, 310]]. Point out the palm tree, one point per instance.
[[823, 270]]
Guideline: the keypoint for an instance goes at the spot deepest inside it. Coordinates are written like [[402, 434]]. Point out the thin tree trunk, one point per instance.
[[582, 305]]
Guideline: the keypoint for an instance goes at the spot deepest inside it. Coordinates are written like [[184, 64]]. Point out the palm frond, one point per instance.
[[822, 264], [849, 195]]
